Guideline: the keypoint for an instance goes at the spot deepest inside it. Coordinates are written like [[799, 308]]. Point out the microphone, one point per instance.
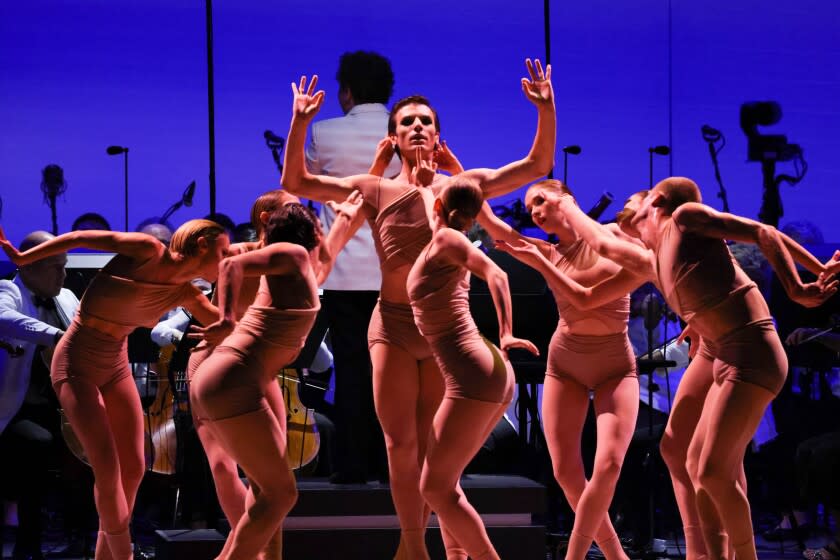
[[605, 200], [660, 150], [189, 193], [574, 150], [710, 134], [652, 306], [115, 150], [273, 141]]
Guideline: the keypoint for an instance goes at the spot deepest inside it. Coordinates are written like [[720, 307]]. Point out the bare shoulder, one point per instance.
[[692, 215]]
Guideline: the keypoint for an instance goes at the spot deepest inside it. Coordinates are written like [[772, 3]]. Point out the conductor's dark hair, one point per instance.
[[367, 75]]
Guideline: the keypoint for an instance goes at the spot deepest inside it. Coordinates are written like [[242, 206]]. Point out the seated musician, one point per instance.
[[34, 311]]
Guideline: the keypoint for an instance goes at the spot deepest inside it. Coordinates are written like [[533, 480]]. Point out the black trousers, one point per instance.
[[359, 444], [29, 446]]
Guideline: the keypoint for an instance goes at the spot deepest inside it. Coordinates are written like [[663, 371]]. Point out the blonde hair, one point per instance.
[[552, 185], [461, 202], [185, 238], [269, 201]]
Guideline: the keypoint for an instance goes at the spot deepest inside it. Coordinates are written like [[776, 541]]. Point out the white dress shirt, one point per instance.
[[21, 325], [341, 147]]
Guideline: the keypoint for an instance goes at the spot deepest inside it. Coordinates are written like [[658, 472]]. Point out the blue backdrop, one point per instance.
[[77, 76]]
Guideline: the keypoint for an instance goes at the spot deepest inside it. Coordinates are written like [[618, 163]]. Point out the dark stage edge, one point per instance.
[[358, 521]]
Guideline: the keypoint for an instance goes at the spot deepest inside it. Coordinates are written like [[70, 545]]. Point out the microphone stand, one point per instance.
[[646, 366], [125, 172], [178, 205], [712, 138]]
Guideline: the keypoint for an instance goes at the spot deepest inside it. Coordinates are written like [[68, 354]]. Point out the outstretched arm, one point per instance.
[[540, 160], [296, 178], [499, 230], [620, 284], [348, 220], [136, 245], [456, 248], [703, 220], [627, 254]]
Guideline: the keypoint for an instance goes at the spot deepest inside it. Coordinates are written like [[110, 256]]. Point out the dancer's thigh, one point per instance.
[[396, 391], [125, 415], [688, 401], [564, 407], [616, 409]]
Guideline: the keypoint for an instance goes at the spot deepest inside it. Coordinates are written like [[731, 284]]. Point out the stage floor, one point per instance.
[[766, 550]]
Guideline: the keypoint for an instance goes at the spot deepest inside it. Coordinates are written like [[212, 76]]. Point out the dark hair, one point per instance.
[[91, 217], [293, 223], [461, 202], [410, 100], [223, 220], [269, 202], [367, 75], [677, 191]]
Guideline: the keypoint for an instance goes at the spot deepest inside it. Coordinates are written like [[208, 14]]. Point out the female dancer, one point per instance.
[[684, 251], [90, 370], [229, 488], [477, 375], [405, 375], [233, 389], [589, 351]]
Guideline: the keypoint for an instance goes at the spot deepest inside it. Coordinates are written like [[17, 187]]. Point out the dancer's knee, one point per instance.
[[674, 452], [607, 468], [713, 480], [277, 497], [438, 491], [568, 472]]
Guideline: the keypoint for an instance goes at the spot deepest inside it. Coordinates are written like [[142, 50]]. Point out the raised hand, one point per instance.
[[446, 160], [538, 88], [306, 103], [816, 293], [350, 207], [423, 172], [10, 250], [214, 333], [520, 249], [384, 155], [832, 266], [509, 341]]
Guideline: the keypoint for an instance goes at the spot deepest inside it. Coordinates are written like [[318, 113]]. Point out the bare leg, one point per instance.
[[684, 417], [733, 413], [396, 394], [452, 445], [564, 408], [110, 429], [616, 408], [257, 442]]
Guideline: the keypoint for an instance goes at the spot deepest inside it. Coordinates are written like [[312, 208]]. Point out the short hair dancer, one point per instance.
[[399, 211], [90, 370], [234, 391], [683, 252], [477, 375], [590, 351]]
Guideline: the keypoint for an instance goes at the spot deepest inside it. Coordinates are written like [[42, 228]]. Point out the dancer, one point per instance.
[[405, 375], [90, 370], [234, 390], [685, 253], [590, 351], [229, 487], [477, 375]]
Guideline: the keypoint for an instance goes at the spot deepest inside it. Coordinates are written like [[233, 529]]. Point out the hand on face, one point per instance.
[[306, 103], [423, 172], [538, 88], [446, 160], [384, 151]]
